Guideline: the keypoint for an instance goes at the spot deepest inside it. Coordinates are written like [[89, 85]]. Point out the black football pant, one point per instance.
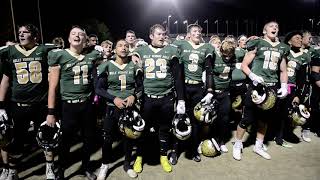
[[194, 94], [314, 122], [237, 88], [221, 124], [158, 113], [252, 112], [75, 117], [110, 130], [283, 125], [22, 114]]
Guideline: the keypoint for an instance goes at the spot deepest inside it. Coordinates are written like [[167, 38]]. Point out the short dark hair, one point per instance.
[[93, 35], [290, 35], [32, 29]]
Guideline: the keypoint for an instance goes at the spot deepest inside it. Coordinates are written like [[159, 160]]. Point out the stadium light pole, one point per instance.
[[186, 22], [237, 27], [217, 22], [176, 23], [247, 26], [311, 20], [169, 24], [13, 22], [207, 23], [227, 24], [40, 24]]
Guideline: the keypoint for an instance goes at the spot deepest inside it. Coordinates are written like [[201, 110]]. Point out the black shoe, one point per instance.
[[59, 174], [292, 138], [196, 158], [173, 158], [278, 141]]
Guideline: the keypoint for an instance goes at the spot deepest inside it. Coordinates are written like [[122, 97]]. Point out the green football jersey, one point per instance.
[[75, 72], [237, 73], [314, 52], [193, 57], [221, 73], [121, 78], [295, 61], [156, 62], [268, 58], [28, 72]]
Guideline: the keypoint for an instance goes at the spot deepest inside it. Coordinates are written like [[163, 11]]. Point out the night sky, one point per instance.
[[139, 15]]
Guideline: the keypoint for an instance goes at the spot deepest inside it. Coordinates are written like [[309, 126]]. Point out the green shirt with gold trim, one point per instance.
[[28, 72], [314, 52], [222, 72], [156, 63], [75, 72], [121, 78], [237, 73], [193, 57], [268, 58], [295, 61]]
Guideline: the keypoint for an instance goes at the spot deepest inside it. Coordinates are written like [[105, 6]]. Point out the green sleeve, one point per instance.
[[102, 68], [210, 50], [137, 52], [53, 57], [252, 44], [174, 51], [178, 43]]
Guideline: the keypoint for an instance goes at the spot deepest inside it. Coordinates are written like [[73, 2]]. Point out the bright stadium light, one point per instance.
[[169, 16]]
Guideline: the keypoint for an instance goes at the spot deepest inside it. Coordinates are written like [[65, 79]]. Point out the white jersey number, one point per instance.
[[151, 64], [193, 66], [271, 59], [78, 71]]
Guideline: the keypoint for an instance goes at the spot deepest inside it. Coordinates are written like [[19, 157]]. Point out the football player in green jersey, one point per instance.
[[107, 49], [93, 40], [72, 71], [268, 58], [195, 57], [315, 96], [215, 41], [224, 64], [314, 52], [296, 68], [26, 72], [161, 77], [238, 81], [131, 38], [117, 83]]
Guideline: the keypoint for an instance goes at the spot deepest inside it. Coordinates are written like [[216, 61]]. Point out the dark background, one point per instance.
[[119, 15]]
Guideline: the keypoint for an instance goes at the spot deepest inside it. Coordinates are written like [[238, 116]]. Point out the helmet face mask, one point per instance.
[[131, 124], [48, 137], [264, 97], [237, 102], [6, 133], [206, 113], [299, 114], [181, 126]]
